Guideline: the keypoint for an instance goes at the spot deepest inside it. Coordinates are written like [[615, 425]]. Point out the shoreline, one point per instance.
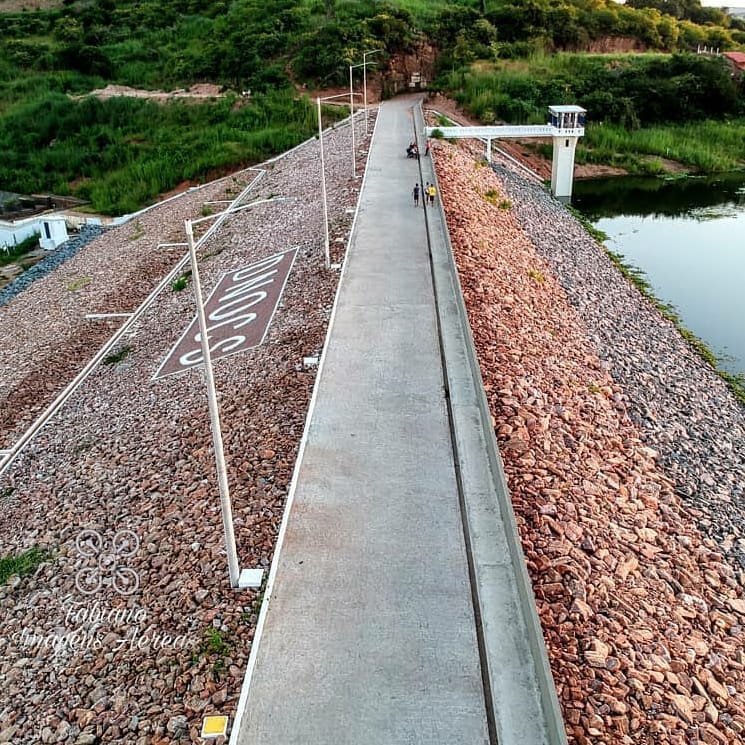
[[644, 352], [622, 451]]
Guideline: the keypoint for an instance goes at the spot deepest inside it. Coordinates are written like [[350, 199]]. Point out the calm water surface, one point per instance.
[[688, 236]]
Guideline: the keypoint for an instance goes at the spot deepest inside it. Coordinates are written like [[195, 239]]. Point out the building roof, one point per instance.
[[19, 222], [8, 196], [566, 109], [738, 58]]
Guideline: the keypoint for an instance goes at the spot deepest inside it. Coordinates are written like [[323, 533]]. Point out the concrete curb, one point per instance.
[[519, 688], [243, 699]]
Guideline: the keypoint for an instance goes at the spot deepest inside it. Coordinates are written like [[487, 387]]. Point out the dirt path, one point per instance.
[[200, 91]]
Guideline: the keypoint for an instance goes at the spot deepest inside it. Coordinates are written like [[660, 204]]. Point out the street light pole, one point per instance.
[[240, 578], [323, 171], [351, 121], [351, 107], [222, 474], [323, 189], [364, 78]]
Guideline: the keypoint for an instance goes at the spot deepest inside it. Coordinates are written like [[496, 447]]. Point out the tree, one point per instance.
[[669, 32]]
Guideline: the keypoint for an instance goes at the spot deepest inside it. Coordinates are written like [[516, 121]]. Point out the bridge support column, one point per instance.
[[488, 149], [562, 167]]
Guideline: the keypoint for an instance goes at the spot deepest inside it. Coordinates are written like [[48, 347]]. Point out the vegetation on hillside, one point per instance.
[[512, 29], [630, 90], [122, 153]]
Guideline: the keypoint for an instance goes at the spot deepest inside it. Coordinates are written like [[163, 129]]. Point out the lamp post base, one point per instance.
[[250, 579]]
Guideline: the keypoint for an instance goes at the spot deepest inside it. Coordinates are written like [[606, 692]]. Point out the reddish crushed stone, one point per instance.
[[642, 615]]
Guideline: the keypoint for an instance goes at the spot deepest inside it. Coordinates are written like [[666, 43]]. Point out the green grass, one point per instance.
[[138, 232], [181, 282], [598, 235], [22, 564], [215, 642], [122, 153], [117, 355], [78, 283], [13, 253], [491, 196], [420, 9], [707, 146]]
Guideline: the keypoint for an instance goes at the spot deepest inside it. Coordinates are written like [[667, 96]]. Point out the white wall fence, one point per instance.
[[51, 229]]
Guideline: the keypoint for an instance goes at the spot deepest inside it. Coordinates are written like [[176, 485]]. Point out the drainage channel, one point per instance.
[[520, 695]]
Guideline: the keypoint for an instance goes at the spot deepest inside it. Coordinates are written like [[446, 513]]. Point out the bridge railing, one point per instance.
[[506, 131]]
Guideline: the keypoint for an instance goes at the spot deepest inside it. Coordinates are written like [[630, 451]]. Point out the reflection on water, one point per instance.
[[688, 236], [657, 197]]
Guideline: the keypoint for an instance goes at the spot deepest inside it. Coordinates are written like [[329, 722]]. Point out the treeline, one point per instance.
[[517, 28], [120, 154], [254, 44], [630, 90], [262, 44]]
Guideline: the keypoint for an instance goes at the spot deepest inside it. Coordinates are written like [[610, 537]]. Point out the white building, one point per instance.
[[568, 125], [51, 229]]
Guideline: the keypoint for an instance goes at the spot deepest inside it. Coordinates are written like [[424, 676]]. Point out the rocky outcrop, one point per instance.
[[409, 72]]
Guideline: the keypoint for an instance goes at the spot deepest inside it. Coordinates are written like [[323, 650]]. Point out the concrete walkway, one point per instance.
[[370, 635]]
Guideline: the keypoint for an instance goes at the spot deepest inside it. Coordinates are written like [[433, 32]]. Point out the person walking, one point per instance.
[[425, 193], [416, 194], [432, 191]]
